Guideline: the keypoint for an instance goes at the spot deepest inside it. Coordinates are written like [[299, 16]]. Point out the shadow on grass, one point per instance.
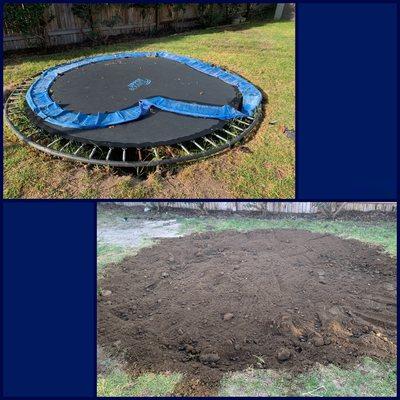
[[368, 378]]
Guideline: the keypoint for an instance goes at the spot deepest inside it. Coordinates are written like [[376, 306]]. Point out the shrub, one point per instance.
[[29, 20]]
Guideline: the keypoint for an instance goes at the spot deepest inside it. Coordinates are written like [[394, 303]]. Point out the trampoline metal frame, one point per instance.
[[210, 144]]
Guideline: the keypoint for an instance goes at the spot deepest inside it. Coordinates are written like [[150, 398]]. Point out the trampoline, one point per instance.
[[134, 109]]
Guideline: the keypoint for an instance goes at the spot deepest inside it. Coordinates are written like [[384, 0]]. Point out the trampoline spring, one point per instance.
[[54, 142], [12, 108], [65, 145], [197, 145], [109, 153], [124, 154], [33, 132], [250, 118], [92, 152], [209, 141], [243, 122], [30, 134], [229, 133], [171, 152], [79, 149], [184, 148], [238, 127], [220, 137]]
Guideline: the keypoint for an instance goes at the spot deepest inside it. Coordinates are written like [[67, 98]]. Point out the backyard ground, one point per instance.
[[278, 306], [261, 52]]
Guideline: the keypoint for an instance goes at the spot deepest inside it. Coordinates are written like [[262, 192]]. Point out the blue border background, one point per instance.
[[347, 65], [49, 299]]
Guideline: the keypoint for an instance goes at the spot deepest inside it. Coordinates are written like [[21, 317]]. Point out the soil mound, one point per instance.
[[216, 302]]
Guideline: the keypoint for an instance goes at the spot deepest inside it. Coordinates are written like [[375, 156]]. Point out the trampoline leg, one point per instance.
[[124, 154]]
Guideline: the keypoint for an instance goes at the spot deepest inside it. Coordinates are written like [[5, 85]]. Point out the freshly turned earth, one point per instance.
[[216, 302]]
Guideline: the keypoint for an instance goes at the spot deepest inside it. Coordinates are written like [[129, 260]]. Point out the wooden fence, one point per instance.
[[66, 28], [277, 207]]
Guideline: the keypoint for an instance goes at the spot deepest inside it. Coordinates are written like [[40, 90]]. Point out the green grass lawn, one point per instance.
[[367, 378], [261, 52]]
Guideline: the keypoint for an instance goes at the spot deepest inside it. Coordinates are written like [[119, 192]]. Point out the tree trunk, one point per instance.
[[91, 21], [248, 8]]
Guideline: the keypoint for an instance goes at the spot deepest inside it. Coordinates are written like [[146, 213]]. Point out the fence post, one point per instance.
[[279, 11]]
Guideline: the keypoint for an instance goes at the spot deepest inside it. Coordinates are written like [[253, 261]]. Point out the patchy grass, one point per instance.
[[109, 253], [253, 382], [369, 378], [261, 52], [118, 383], [382, 234]]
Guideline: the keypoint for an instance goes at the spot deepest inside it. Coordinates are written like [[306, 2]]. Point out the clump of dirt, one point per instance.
[[216, 302]]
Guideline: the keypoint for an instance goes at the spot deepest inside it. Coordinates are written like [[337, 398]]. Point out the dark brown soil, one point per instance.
[[216, 302]]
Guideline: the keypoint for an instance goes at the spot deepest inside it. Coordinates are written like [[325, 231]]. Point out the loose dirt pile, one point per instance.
[[216, 302]]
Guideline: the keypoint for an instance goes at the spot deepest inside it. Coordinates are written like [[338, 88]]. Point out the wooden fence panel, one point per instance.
[[273, 207], [66, 28]]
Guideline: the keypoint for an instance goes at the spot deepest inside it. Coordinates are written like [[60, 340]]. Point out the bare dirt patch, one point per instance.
[[216, 302]]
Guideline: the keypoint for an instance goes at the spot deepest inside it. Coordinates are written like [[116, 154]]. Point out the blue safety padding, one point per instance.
[[43, 106]]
